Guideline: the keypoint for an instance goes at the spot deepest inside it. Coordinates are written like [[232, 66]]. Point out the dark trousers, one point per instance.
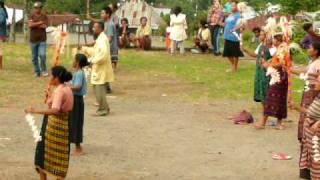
[[215, 38]]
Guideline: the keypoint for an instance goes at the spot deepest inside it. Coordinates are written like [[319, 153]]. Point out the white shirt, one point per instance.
[[179, 26]]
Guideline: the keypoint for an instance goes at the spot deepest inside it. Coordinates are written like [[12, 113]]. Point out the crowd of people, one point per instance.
[[64, 116]]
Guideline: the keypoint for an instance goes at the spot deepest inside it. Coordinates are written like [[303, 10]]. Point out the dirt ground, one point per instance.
[[155, 132]]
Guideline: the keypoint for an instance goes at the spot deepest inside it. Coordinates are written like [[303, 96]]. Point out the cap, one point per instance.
[[37, 5]]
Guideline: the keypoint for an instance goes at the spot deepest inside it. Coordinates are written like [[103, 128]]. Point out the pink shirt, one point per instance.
[[313, 68], [61, 99]]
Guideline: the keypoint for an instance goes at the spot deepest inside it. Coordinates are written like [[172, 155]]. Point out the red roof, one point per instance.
[[58, 19]]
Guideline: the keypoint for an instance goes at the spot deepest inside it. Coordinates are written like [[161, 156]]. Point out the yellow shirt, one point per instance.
[[99, 56], [204, 34], [143, 31]]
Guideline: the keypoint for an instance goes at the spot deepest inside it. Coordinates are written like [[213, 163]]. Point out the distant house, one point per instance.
[[133, 10], [162, 11], [18, 11]]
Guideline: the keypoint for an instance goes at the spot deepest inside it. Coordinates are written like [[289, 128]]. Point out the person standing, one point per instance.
[[261, 80], [275, 103], [215, 19], [53, 151], [232, 38], [178, 33], [3, 22], [309, 94], [111, 32], [38, 23], [79, 88], [102, 71]]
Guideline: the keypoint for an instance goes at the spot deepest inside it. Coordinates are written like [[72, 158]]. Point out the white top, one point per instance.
[[179, 26]]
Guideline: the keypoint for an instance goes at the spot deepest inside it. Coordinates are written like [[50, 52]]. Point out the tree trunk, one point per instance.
[[13, 27], [25, 21]]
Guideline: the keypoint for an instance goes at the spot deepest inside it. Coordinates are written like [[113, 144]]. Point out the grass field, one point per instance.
[[206, 73]]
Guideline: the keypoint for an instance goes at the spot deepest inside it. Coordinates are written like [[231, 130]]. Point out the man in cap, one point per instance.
[[38, 23]]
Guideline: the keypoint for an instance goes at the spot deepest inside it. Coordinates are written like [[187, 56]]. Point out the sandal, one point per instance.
[[281, 156]]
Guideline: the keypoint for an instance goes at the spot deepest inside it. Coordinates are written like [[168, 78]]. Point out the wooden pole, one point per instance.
[[13, 27], [25, 20]]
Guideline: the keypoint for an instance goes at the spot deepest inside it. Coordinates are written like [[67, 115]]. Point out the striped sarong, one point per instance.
[[307, 151]]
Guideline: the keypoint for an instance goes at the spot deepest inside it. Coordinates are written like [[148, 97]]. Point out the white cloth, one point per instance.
[[179, 26]]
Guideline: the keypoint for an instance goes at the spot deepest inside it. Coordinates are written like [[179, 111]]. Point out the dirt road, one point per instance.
[[156, 133]]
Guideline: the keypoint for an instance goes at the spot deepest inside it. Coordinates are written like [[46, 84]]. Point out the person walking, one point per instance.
[[38, 23]]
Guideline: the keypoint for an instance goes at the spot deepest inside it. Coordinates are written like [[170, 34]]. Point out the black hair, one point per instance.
[[203, 23], [125, 20], [61, 73], [114, 7], [278, 37], [107, 10], [82, 60], [316, 46], [3, 7], [142, 18], [307, 26], [101, 25], [177, 10], [256, 29]]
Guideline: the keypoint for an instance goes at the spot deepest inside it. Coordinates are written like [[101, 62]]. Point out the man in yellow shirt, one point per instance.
[[102, 72], [143, 35]]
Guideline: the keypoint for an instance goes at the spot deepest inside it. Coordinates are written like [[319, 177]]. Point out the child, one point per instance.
[[79, 88]]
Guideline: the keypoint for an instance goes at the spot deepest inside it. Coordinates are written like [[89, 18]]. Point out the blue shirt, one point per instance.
[[111, 31], [79, 79], [230, 24], [3, 23]]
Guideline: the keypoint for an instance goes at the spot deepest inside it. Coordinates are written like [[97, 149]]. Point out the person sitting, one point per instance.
[[124, 34], [203, 37], [143, 39]]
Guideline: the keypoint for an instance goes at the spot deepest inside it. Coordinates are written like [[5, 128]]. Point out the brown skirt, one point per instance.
[[276, 98]]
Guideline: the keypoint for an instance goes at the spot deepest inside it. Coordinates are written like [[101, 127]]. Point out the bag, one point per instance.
[[243, 118]]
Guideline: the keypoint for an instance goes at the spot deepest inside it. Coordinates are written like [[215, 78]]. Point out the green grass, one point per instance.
[[206, 73]]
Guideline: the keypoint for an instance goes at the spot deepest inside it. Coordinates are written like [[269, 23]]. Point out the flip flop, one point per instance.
[[281, 156]]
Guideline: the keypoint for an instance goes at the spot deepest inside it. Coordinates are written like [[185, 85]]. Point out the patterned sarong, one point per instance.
[[52, 153]]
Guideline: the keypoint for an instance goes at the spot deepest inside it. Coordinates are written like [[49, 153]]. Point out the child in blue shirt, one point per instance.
[[79, 88]]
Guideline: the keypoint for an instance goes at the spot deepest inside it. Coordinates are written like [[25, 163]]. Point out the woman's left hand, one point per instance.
[[29, 110], [315, 127]]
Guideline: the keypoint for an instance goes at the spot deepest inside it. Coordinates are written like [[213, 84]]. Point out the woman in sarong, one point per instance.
[[261, 81], [52, 152], [308, 96], [275, 104]]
